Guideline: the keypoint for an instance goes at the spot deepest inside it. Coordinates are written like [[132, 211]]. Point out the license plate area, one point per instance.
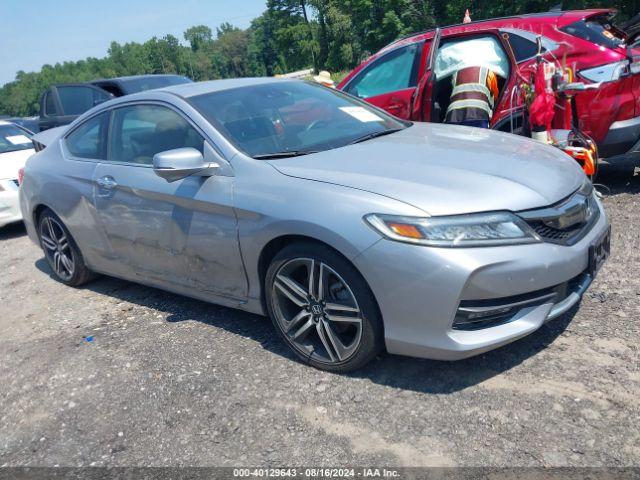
[[598, 252]]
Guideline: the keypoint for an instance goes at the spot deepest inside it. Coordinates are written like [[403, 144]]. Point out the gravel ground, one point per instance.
[[170, 381]]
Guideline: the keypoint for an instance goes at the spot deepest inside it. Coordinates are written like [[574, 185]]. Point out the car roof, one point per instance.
[[135, 77], [187, 90], [511, 21]]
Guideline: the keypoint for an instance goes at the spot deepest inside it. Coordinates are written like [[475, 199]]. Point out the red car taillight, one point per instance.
[[20, 176]]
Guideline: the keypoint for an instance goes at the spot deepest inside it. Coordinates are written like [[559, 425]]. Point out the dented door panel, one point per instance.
[[181, 234]]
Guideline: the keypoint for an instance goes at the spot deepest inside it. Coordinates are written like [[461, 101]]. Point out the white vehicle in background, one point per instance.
[[15, 147]]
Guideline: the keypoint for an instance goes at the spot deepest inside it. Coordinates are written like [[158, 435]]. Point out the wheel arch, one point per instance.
[[37, 212], [277, 244]]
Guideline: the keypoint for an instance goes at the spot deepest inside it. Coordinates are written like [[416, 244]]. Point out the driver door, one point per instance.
[[423, 105], [181, 233]]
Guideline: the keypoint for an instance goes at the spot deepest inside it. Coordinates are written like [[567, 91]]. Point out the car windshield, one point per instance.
[[287, 118], [151, 82], [13, 138]]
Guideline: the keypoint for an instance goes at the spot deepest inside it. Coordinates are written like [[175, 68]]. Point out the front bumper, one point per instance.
[[9, 203], [622, 139], [420, 289]]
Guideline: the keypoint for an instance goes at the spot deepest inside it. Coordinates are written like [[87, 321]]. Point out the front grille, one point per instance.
[[15, 180], [549, 233], [566, 222]]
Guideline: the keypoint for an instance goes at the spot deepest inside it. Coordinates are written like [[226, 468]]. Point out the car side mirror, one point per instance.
[[173, 165]]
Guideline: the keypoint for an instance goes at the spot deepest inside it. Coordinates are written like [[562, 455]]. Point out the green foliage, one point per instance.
[[290, 35], [199, 37]]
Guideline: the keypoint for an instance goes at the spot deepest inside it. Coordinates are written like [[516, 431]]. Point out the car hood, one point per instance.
[[11, 162], [447, 170]]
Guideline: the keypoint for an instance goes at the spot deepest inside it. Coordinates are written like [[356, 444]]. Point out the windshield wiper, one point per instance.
[[369, 136], [293, 153]]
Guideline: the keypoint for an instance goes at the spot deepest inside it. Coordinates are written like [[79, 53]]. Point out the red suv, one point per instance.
[[403, 78]]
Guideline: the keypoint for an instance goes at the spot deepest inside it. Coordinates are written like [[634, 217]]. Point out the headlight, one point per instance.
[[586, 188], [588, 191], [473, 230], [606, 73]]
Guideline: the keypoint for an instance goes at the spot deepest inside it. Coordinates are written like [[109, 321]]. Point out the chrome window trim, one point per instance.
[[130, 103], [206, 138]]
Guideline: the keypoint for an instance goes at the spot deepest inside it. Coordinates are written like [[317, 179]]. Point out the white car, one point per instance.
[[15, 147]]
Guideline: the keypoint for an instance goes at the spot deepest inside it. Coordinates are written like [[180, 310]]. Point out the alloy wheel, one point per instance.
[[316, 310], [57, 248]]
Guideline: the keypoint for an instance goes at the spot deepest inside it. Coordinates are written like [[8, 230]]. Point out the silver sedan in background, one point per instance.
[[353, 230]]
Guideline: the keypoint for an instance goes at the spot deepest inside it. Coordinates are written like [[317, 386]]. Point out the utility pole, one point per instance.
[[306, 19], [191, 66]]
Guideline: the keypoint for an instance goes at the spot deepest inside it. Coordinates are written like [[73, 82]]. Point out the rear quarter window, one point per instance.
[[88, 140]]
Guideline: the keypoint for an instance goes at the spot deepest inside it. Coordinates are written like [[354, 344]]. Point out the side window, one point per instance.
[[87, 141], [49, 104], [141, 131], [523, 49], [395, 71], [76, 100]]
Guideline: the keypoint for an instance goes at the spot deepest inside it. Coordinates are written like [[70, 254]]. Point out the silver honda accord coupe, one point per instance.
[[353, 230]]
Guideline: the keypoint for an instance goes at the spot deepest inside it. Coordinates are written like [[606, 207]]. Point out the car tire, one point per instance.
[[335, 323], [61, 251]]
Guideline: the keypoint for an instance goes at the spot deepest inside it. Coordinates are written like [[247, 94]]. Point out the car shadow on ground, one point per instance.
[[13, 230], [427, 376], [615, 180], [432, 376]]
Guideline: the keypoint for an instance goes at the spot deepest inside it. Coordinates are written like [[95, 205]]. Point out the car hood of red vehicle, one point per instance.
[[446, 170]]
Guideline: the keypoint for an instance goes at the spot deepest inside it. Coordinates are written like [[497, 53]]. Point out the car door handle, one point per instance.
[[395, 106], [107, 182]]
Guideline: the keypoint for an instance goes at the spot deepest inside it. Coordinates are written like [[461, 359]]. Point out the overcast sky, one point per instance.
[[36, 32]]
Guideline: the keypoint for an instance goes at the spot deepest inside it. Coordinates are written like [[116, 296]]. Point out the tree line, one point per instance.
[[290, 35]]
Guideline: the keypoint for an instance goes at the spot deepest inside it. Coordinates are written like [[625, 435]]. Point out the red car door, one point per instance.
[[390, 80], [422, 101], [424, 108]]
